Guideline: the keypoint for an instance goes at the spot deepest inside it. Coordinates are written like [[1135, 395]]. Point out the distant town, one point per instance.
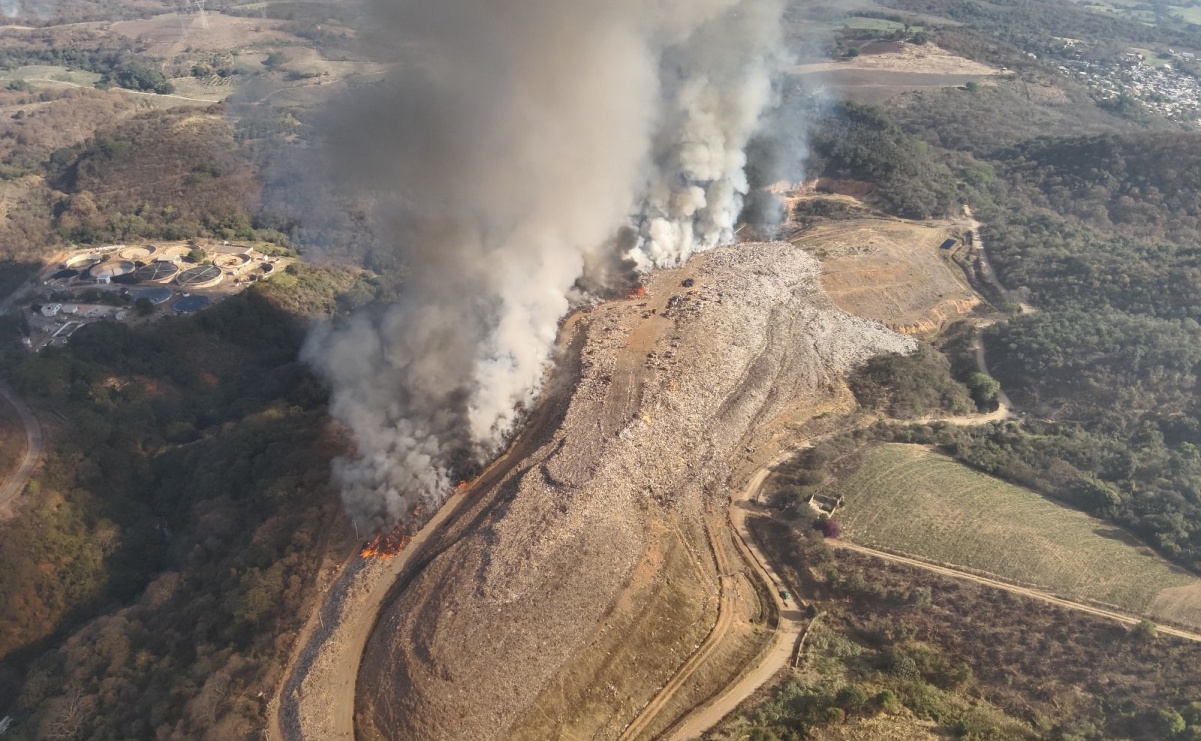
[[1160, 82]]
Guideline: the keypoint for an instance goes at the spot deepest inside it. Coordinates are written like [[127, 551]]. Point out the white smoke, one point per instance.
[[718, 84], [39, 9], [511, 165]]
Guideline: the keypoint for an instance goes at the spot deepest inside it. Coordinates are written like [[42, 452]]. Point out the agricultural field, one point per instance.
[[911, 499], [877, 24], [45, 75], [1140, 11]]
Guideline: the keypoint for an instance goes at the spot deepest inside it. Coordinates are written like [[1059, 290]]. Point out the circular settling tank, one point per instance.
[[174, 254], [136, 254], [190, 303], [65, 274], [231, 262], [83, 261], [157, 272], [201, 277], [112, 269], [154, 295]]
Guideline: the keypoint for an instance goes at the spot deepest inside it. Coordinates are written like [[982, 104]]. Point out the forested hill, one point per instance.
[[1146, 185], [1018, 21]]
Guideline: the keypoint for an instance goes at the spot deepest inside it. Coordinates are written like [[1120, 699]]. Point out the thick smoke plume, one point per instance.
[[524, 151]]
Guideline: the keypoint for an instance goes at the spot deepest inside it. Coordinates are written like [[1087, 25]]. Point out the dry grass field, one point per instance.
[[911, 499], [892, 271], [886, 69]]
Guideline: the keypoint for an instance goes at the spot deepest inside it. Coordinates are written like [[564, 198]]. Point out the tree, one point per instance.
[[984, 389], [1167, 722], [196, 255], [888, 702], [851, 698], [1145, 630]]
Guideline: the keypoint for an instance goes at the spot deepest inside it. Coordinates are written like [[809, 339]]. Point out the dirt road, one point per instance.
[[320, 679], [336, 689], [33, 447], [127, 91], [1120, 617], [792, 622], [33, 429], [717, 634]]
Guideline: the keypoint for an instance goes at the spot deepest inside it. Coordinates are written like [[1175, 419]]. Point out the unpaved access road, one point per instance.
[[340, 691], [780, 651], [337, 690], [792, 622], [33, 447], [717, 634], [1120, 617]]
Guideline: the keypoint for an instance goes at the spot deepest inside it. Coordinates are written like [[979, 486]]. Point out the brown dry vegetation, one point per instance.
[[166, 36], [12, 439], [34, 124], [169, 168], [1054, 669]]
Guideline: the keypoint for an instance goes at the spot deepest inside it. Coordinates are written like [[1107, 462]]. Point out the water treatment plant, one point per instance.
[[140, 283]]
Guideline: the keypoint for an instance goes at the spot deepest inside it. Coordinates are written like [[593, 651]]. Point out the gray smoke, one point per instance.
[[28, 9], [522, 150]]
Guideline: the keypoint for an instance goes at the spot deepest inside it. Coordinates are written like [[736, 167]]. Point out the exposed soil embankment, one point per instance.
[[585, 577]]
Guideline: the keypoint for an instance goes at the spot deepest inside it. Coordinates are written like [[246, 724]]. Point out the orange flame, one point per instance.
[[462, 485], [638, 292], [386, 545]]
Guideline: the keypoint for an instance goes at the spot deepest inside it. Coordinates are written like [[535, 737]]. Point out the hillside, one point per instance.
[[719, 366], [1144, 186], [169, 174], [163, 554]]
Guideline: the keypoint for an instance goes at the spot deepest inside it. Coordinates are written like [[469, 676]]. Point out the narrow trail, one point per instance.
[[717, 634], [1120, 617], [34, 439], [18, 479], [780, 650]]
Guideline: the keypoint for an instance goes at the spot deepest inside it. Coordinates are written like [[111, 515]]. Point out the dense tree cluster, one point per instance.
[[1143, 186], [907, 386], [174, 535], [1032, 25], [148, 177], [862, 143]]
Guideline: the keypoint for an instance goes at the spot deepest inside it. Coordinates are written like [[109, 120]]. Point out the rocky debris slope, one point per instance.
[[672, 387]]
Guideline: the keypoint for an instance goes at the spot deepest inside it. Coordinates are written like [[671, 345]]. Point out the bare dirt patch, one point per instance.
[[891, 270], [1179, 604], [884, 72], [926, 59], [168, 35]]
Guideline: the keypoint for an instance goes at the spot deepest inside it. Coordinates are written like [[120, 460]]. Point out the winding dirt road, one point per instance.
[[792, 622], [337, 690], [1120, 617], [18, 479], [717, 634]]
